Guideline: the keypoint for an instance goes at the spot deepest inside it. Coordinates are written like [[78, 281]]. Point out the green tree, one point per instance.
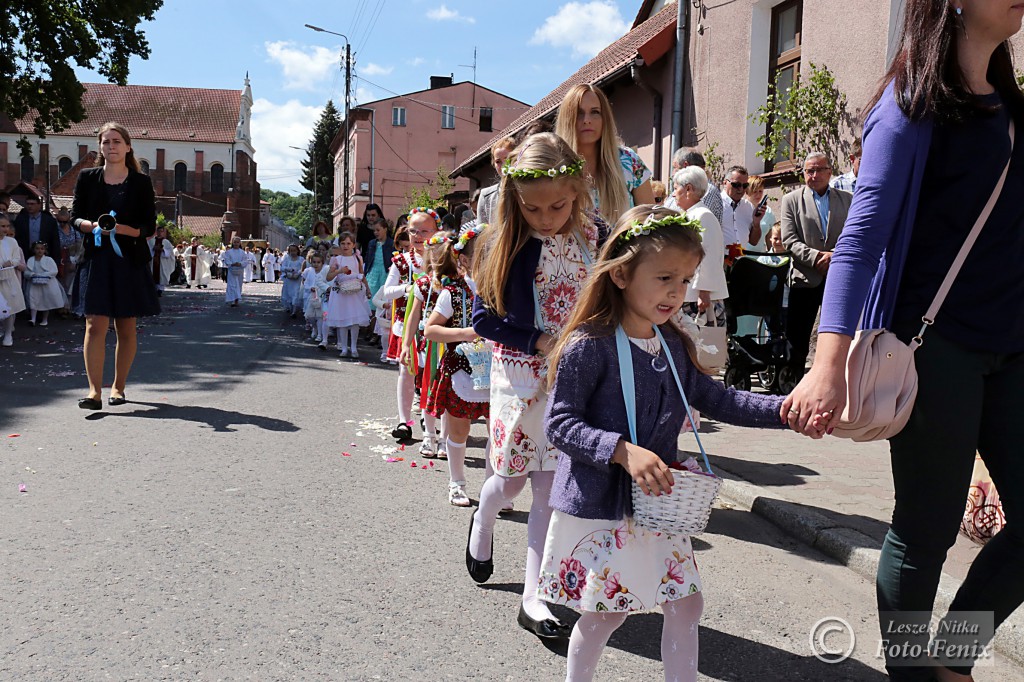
[[813, 112], [432, 194], [318, 157], [292, 210], [41, 43]]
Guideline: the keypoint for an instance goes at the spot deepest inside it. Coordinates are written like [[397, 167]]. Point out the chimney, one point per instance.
[[441, 82]]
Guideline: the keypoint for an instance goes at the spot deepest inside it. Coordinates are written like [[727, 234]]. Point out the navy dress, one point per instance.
[[112, 285]]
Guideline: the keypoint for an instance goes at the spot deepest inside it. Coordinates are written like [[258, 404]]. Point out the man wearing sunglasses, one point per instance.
[[741, 222]]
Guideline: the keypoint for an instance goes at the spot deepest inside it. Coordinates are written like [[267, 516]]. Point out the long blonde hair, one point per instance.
[[509, 232], [601, 305], [612, 196]]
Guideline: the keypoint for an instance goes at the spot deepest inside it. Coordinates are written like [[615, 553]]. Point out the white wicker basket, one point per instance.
[[684, 511], [479, 355]]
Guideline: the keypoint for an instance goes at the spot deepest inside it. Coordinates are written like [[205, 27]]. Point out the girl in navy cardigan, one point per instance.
[[595, 558], [531, 269]]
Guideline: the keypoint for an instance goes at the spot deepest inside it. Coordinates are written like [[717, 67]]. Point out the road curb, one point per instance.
[[849, 547]]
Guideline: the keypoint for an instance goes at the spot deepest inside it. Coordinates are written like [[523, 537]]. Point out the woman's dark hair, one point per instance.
[[927, 74], [402, 221], [372, 207]]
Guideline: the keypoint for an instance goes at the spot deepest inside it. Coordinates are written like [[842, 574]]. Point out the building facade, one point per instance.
[[194, 143], [400, 143], [733, 51]]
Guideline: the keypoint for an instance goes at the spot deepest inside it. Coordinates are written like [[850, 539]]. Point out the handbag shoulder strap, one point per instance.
[[958, 263], [627, 381]]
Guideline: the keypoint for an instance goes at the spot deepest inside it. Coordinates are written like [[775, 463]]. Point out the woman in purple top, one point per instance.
[[596, 558], [950, 92]]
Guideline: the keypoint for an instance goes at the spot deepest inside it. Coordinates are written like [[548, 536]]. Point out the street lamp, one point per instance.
[[348, 101], [316, 204]]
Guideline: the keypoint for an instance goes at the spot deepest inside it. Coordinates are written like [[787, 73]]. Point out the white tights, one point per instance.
[[406, 390], [678, 640], [7, 326], [353, 337], [496, 491]]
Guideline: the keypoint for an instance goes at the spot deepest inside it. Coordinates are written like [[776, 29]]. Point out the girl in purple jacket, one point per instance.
[[596, 559]]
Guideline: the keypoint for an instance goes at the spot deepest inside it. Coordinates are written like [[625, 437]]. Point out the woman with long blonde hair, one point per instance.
[[619, 177]]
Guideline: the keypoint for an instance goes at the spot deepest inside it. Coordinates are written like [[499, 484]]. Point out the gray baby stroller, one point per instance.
[[758, 347]]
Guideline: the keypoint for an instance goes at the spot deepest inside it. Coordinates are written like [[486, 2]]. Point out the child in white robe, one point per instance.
[[314, 284], [43, 292], [235, 260]]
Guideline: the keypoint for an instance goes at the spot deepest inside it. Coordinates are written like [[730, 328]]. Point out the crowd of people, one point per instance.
[[575, 280]]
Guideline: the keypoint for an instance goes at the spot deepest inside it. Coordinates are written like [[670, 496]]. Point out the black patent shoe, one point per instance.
[[401, 432], [548, 628], [479, 571], [90, 404]]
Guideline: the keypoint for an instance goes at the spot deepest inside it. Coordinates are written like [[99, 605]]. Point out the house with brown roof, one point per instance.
[[732, 51], [416, 134], [194, 143]]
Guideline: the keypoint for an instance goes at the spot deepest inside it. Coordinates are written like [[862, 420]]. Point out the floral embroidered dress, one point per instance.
[[602, 565], [518, 396], [405, 268]]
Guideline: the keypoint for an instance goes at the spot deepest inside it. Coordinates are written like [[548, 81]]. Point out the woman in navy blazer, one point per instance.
[[116, 281]]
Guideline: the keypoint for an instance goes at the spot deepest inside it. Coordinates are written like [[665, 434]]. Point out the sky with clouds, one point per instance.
[[398, 45]]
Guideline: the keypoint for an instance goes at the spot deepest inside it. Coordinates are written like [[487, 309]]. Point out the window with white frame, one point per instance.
[[398, 116], [447, 116]]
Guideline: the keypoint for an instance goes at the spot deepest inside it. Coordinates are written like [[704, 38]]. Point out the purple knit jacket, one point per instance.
[[586, 419]]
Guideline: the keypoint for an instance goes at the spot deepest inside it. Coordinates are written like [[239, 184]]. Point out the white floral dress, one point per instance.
[[518, 397]]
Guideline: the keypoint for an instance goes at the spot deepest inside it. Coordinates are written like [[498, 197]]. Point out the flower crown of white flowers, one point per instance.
[[653, 222], [511, 170], [429, 211]]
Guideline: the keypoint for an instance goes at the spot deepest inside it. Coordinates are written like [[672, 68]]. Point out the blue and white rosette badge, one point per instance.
[[108, 222]]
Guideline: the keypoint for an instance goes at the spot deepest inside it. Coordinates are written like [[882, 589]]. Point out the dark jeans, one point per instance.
[[803, 309], [967, 400]]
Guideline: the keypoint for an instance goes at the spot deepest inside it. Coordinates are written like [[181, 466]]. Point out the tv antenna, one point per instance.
[[472, 66]]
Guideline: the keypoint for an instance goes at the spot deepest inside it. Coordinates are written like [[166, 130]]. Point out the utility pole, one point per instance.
[[348, 128]]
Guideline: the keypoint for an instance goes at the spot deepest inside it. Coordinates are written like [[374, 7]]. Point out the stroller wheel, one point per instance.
[[767, 379], [787, 380], [738, 378]]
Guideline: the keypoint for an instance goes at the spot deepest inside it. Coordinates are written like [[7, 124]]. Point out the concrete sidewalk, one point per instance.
[[833, 494]]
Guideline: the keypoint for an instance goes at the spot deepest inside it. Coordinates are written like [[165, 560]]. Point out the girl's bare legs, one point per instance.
[[94, 350], [124, 354]]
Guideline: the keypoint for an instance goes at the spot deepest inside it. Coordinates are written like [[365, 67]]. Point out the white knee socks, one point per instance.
[[536, 534], [406, 388], [679, 638], [429, 427], [353, 338], [496, 491], [587, 642], [456, 462]]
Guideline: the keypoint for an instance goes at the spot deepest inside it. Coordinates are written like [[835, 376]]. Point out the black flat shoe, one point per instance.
[[401, 432], [479, 571], [116, 401], [545, 629], [90, 404]]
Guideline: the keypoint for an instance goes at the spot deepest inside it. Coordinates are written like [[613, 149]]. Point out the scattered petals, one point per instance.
[[346, 454], [412, 464], [22, 488], [14, 435]]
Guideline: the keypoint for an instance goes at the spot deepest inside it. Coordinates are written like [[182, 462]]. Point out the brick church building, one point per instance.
[[194, 143]]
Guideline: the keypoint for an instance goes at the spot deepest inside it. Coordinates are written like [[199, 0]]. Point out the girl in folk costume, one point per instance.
[[291, 284], [347, 308], [452, 392], [419, 355], [11, 263], [532, 267], [43, 292], [596, 558], [235, 260], [314, 284], [269, 263], [405, 267], [382, 314]]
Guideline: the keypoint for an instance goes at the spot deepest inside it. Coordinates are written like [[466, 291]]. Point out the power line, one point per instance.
[[434, 104], [432, 107], [393, 151], [373, 24]]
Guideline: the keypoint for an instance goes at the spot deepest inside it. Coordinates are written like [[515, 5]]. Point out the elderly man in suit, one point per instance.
[[36, 225], [812, 220]]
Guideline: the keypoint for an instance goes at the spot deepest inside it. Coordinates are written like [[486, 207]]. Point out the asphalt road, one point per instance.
[[239, 520]]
